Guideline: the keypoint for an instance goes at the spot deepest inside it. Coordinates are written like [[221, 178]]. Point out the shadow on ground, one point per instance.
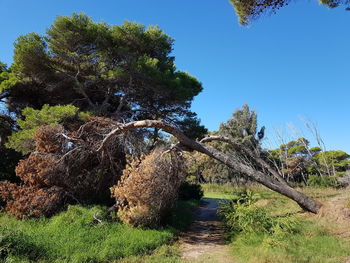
[[206, 235]]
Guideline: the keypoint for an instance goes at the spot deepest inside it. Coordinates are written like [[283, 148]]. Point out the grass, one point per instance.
[[310, 245], [313, 242], [74, 236]]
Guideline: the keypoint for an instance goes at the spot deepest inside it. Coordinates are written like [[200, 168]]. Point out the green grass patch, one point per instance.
[[217, 191], [310, 245], [229, 191], [215, 195], [75, 236]]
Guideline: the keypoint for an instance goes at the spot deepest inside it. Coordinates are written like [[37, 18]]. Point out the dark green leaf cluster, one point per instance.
[[248, 10], [315, 180], [242, 125], [8, 157], [23, 139], [189, 191]]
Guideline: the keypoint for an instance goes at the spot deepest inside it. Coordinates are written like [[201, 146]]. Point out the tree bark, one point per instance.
[[276, 184]]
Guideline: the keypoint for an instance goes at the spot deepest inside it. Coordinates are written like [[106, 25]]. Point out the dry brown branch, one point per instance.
[[148, 188]]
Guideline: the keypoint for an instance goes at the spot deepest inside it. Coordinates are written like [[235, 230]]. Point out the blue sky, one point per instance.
[[292, 64]]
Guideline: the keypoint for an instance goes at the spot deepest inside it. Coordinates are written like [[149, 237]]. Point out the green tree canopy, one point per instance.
[[125, 70], [241, 126], [337, 161], [248, 10], [298, 162]]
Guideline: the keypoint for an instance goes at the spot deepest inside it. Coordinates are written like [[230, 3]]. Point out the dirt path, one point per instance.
[[204, 241]]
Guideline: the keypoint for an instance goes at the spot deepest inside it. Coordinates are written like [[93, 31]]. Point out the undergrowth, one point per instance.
[[266, 227], [83, 234]]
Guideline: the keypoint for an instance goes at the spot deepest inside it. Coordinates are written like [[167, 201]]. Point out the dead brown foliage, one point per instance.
[[65, 168], [48, 139], [36, 170], [29, 201], [148, 188]]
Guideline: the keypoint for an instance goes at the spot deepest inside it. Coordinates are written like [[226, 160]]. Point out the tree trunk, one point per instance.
[[276, 184]]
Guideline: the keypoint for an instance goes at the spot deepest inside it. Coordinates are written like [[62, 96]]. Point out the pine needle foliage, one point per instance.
[[148, 188], [249, 10]]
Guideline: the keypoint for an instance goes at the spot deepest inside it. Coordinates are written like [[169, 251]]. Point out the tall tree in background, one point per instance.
[[332, 163], [293, 159], [241, 127], [248, 10], [297, 162]]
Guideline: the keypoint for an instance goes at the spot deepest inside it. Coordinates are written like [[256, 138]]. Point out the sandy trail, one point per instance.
[[205, 239]]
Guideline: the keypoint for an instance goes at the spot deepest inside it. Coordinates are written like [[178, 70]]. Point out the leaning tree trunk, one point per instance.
[[273, 181]]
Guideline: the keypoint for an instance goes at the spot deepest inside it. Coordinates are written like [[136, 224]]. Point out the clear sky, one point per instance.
[[292, 64]]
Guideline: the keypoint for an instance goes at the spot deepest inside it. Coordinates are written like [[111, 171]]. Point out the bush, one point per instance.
[[322, 181], [148, 188], [242, 215], [188, 191]]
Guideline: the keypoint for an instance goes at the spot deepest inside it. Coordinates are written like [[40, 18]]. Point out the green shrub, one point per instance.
[[322, 181], [273, 234], [188, 191], [245, 196], [242, 215]]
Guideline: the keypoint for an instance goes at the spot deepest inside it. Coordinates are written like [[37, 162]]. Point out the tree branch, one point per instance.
[[283, 188], [245, 150]]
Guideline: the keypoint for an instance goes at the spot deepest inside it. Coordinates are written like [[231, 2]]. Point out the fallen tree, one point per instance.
[[82, 163], [266, 176], [65, 169]]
